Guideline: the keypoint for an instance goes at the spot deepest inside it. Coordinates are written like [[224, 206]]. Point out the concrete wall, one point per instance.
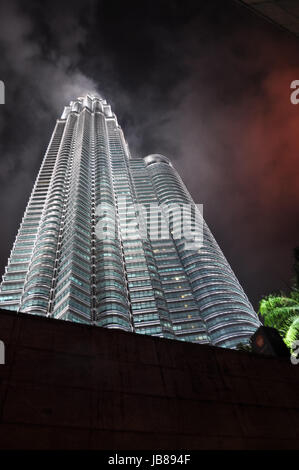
[[66, 385]]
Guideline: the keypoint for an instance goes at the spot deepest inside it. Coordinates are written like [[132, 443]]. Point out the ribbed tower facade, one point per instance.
[[100, 242]]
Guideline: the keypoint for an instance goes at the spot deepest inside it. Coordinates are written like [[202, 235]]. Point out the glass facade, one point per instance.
[[91, 249]]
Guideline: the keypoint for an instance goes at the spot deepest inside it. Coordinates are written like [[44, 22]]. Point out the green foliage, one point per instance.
[[292, 333], [282, 311], [279, 312]]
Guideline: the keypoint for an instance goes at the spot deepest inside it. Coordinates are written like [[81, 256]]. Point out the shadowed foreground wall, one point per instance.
[[66, 385]]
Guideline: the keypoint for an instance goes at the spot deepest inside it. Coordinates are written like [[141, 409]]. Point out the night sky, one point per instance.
[[205, 83]]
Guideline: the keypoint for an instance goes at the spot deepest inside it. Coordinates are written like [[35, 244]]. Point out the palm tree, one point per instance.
[[282, 312]]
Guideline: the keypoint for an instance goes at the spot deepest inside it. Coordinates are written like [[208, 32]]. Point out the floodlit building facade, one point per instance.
[[105, 240]]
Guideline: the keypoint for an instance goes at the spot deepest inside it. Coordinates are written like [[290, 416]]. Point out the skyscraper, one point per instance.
[[103, 240]]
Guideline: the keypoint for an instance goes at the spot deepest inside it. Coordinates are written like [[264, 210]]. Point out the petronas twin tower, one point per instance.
[[118, 242]]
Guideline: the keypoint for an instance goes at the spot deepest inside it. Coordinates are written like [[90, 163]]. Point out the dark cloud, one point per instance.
[[206, 83], [38, 84]]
